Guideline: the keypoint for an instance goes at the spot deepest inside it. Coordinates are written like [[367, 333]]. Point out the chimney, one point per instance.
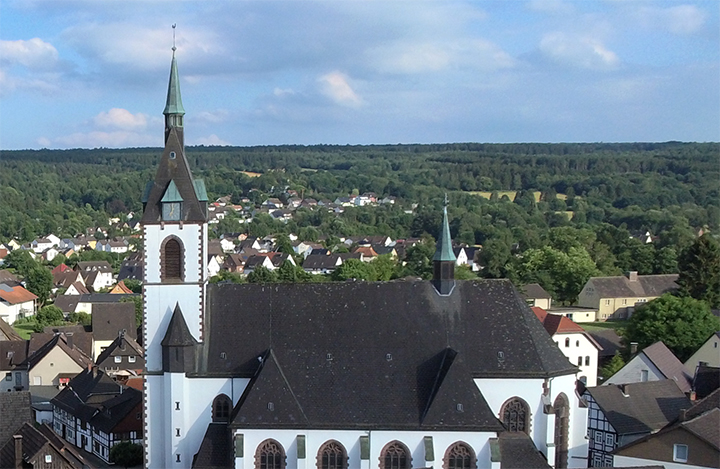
[[633, 348], [632, 275], [18, 451]]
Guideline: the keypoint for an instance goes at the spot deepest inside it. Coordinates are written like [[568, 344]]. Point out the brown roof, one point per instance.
[[15, 295], [669, 365], [533, 290], [644, 286], [7, 332]]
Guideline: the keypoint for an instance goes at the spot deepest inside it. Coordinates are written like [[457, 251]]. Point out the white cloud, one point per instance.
[[335, 85], [121, 119], [578, 51], [214, 117], [211, 140], [681, 19], [34, 54], [96, 139]]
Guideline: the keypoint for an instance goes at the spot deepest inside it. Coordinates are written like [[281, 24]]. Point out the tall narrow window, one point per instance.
[[515, 415], [332, 455], [221, 408], [562, 427], [172, 257], [459, 456], [270, 455], [395, 455]]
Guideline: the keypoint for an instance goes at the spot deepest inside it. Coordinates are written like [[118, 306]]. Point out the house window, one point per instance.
[[395, 456], [587, 360], [680, 453], [577, 343], [177, 458], [131, 359], [172, 256], [270, 455], [177, 432], [177, 405], [515, 415], [607, 302], [609, 440], [579, 361], [644, 375], [8, 376], [221, 408], [118, 359], [332, 455], [624, 301], [48, 459], [567, 341], [460, 456]]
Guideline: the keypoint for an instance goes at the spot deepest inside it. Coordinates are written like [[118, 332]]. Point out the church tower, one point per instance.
[[174, 224], [444, 258]]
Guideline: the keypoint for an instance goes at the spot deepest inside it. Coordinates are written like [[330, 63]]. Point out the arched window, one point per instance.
[[567, 342], [395, 455], [562, 429], [332, 455], [515, 415], [172, 260], [270, 455], [459, 456], [221, 407]]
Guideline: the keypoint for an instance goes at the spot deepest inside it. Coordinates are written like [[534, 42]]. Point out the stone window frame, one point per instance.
[[333, 447], [163, 260], [524, 407], [221, 408], [278, 452], [393, 449], [459, 446]]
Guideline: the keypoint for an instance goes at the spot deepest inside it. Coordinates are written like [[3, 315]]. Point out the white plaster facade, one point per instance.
[[581, 351]]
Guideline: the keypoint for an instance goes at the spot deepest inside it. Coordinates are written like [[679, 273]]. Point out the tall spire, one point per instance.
[[444, 258], [174, 110]]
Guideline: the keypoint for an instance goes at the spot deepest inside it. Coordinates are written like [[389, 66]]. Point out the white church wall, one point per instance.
[[577, 438]]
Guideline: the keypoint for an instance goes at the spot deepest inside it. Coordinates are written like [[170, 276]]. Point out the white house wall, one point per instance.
[[350, 439], [580, 346]]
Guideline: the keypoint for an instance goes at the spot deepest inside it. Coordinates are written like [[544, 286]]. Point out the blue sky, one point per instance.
[[87, 74]]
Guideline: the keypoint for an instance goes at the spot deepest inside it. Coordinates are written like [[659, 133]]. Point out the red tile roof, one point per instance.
[[16, 295], [556, 324]]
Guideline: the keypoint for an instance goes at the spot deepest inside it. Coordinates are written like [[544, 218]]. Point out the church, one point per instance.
[[390, 375]]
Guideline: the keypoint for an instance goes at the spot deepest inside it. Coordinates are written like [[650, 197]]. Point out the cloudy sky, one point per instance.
[[87, 74]]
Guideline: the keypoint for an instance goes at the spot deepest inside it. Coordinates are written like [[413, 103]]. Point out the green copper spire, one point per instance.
[[444, 251], [174, 101]]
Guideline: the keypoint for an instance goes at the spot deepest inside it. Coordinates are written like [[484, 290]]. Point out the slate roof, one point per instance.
[[7, 332], [108, 319], [15, 411], [534, 290], [94, 397], [122, 346], [517, 451], [13, 354], [33, 441], [94, 266], [669, 365], [321, 261], [706, 380], [35, 355], [178, 333], [640, 407], [7, 276], [644, 286], [322, 342], [216, 449], [67, 303], [609, 340], [132, 268]]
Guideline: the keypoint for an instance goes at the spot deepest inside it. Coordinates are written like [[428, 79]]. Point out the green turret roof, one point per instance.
[[174, 101], [444, 251]]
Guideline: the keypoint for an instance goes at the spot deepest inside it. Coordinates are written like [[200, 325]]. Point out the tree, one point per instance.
[[682, 323], [616, 363], [80, 317], [262, 274], [352, 269], [666, 261], [225, 276], [384, 267], [127, 454], [699, 268], [134, 285], [20, 261], [39, 281]]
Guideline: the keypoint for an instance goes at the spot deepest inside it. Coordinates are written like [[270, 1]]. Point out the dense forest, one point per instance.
[[593, 196]]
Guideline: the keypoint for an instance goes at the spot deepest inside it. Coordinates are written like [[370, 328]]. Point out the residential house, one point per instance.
[[367, 253], [13, 366], [272, 203], [269, 260], [55, 361], [49, 254], [97, 274], [60, 268], [123, 355], [8, 278], [16, 302], [115, 245], [691, 440], [64, 278], [120, 289], [709, 353], [620, 414], [644, 236], [77, 288], [109, 320], [214, 264], [227, 245], [576, 344], [234, 263], [41, 244], [535, 295], [575, 313], [321, 263], [617, 297], [251, 243], [86, 303], [38, 447], [610, 342], [653, 363], [132, 267], [95, 413]]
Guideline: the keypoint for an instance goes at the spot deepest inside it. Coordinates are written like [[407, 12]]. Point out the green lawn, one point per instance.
[[599, 326], [23, 330]]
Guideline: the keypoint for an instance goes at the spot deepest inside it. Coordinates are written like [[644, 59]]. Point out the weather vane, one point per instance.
[[173, 26], [446, 200]]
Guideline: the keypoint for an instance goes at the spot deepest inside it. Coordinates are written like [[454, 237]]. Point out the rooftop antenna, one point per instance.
[[173, 47]]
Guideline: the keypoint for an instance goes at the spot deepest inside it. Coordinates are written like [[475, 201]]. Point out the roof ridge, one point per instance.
[[287, 383]]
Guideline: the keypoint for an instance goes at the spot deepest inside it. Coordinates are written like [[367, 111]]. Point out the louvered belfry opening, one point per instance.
[[172, 260]]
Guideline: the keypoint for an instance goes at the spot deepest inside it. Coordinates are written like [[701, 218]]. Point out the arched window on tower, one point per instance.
[[515, 415], [270, 455], [332, 455], [395, 455], [460, 456], [221, 408], [172, 260]]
